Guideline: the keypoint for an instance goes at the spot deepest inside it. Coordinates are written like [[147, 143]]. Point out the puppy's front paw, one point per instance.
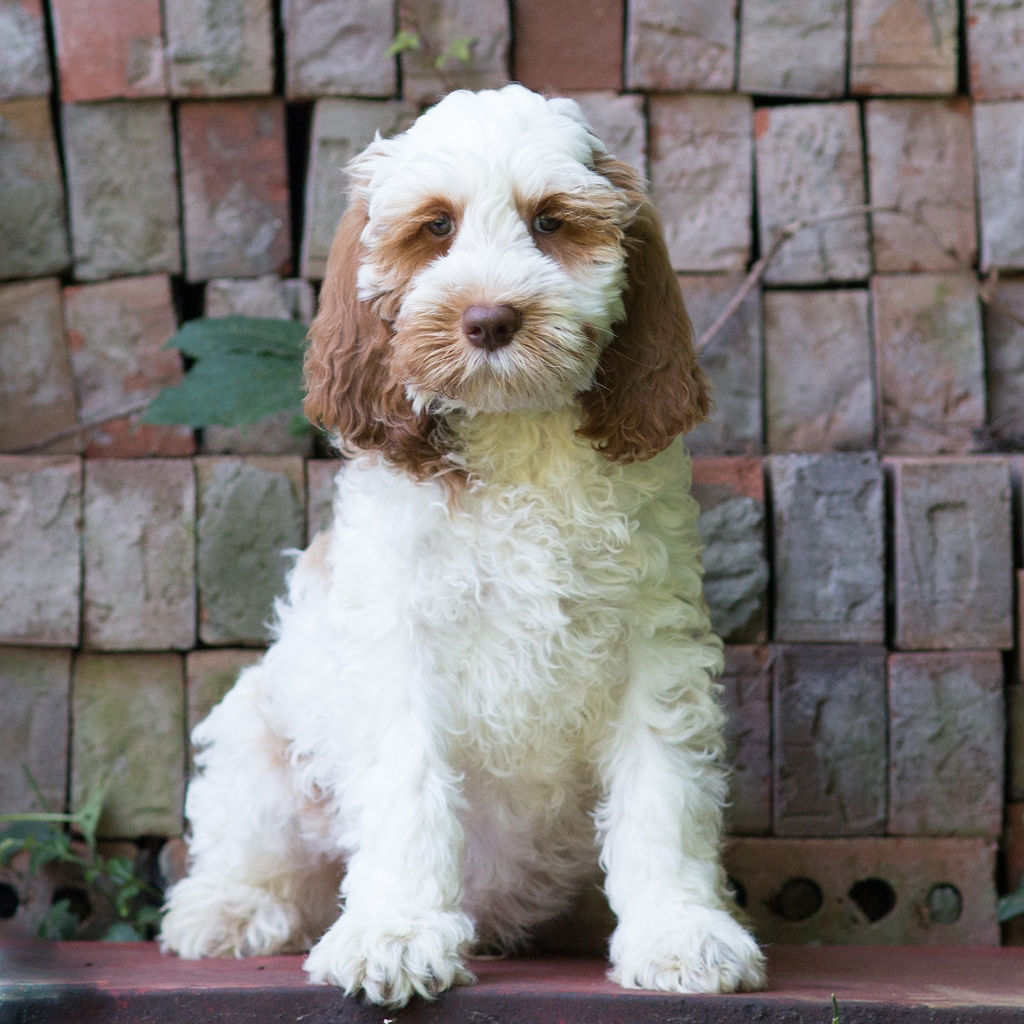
[[394, 958], [696, 949]]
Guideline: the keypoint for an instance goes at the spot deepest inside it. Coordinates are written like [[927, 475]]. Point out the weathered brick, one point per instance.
[[903, 47], [995, 38], [954, 553], [1015, 741], [681, 45], [701, 178], [746, 696], [1003, 319], [829, 527], [341, 129], [36, 685], [730, 492], [946, 729], [128, 714], [927, 330], [829, 755], [139, 555], [37, 396], [273, 298], [109, 49], [921, 159], [40, 550], [818, 377], [250, 511], [793, 49], [810, 164], [219, 47], [234, 188], [439, 23], [25, 69], [31, 192], [116, 333], [552, 54], [619, 122], [208, 676], [320, 476], [339, 47], [999, 139], [732, 359], [122, 188], [868, 891]]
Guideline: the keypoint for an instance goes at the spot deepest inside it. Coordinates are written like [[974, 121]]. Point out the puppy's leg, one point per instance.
[[253, 888], [661, 824], [402, 931]]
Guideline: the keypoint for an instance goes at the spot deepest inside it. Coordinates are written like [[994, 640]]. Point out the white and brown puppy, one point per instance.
[[496, 672]]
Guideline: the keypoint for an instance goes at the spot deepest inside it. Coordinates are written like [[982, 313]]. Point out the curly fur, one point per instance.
[[493, 678]]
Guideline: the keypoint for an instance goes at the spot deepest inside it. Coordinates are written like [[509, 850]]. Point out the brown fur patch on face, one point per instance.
[[590, 227]]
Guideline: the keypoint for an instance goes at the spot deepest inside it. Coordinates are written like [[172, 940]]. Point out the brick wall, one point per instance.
[[860, 480]]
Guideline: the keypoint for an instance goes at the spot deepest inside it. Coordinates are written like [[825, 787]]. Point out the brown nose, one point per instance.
[[490, 327]]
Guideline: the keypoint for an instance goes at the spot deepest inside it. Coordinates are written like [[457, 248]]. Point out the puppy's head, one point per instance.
[[493, 258]]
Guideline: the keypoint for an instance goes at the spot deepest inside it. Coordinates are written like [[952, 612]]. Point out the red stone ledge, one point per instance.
[[133, 983]]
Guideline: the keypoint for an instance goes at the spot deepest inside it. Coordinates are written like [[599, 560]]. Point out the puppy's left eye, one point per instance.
[[544, 224], [441, 226]]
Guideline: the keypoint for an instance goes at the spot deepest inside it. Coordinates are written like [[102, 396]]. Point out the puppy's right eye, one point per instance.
[[441, 226]]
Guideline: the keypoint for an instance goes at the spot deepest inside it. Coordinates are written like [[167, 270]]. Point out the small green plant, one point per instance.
[[47, 837], [242, 369], [458, 51]]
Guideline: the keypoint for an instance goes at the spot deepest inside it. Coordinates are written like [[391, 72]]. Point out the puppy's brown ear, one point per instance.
[[649, 386], [350, 389]]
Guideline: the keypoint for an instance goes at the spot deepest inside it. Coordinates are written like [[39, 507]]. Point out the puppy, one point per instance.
[[494, 677]]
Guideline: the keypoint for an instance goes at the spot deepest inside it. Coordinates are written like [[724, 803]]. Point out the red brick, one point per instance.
[[732, 359], [109, 49], [927, 331], [25, 69], [37, 396], [31, 191], [810, 162], [116, 333], [40, 550], [681, 45], [730, 491], [921, 159], [553, 54], [235, 188], [946, 729], [818, 377], [995, 40], [139, 555], [828, 708], [903, 47], [746, 695], [780, 878], [953, 553], [36, 686], [701, 178]]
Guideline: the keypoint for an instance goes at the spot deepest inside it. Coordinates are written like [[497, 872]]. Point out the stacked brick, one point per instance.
[[859, 480]]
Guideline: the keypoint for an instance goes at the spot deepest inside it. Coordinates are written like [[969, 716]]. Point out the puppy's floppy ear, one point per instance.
[[649, 386], [350, 388]]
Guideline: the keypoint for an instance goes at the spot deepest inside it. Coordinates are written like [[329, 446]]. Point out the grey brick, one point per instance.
[[320, 476], [1004, 360], [250, 511], [954, 553], [829, 548], [139, 545], [619, 122], [40, 550], [123, 188], [31, 191], [999, 138], [25, 69], [995, 36], [36, 685], [946, 728], [818, 376], [828, 707]]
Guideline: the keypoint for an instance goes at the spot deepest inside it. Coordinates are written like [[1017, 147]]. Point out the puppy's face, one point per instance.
[[493, 247]]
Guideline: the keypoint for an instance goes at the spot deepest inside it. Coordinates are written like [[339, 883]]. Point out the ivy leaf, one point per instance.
[[21, 836], [122, 931], [242, 335], [1012, 905], [59, 923], [404, 40]]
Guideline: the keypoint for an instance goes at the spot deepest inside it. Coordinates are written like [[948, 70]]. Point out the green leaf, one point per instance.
[[457, 51], [1012, 905], [403, 40], [59, 923], [87, 818], [242, 335], [21, 835], [122, 931], [230, 389]]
